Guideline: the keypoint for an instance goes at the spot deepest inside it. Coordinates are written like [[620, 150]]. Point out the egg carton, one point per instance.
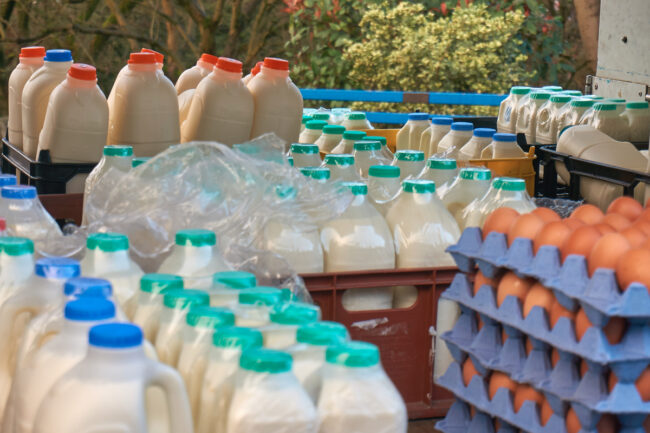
[[459, 420]]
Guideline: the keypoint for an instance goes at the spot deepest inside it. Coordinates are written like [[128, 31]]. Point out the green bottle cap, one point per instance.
[[196, 238], [409, 155], [209, 317], [118, 150], [322, 334], [159, 283], [419, 186], [475, 173], [265, 361], [179, 299], [355, 354], [294, 313], [12, 246], [386, 171], [107, 242], [235, 280], [234, 337], [301, 148], [442, 164], [356, 188], [260, 295], [511, 184], [341, 159]]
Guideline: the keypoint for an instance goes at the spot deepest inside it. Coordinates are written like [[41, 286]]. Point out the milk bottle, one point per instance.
[[190, 78], [322, 115], [547, 118], [366, 153], [331, 137], [36, 94], [357, 395], [176, 304], [222, 107], [25, 215], [195, 257], [278, 102], [309, 352], [638, 119], [341, 167], [552, 88], [505, 192], [503, 146], [571, 114], [30, 59], [110, 384], [431, 137], [346, 145], [256, 70], [254, 306], [200, 324], [408, 138], [608, 121], [459, 134], [144, 112], [16, 265], [226, 286], [385, 152], [410, 163], [219, 380], [150, 300], [305, 118], [471, 183], [36, 376], [107, 256], [305, 155], [285, 319], [319, 174], [184, 104], [313, 131], [383, 185], [264, 379], [619, 102], [479, 141], [527, 114], [507, 120], [338, 115], [76, 121], [442, 171], [356, 121]]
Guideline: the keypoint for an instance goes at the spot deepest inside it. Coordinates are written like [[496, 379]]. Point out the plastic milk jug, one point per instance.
[[341, 167], [356, 121], [330, 138], [297, 244], [346, 145], [313, 131], [254, 306], [571, 114], [547, 118], [319, 174], [190, 78], [25, 215], [226, 286], [408, 138], [16, 265], [385, 152], [459, 134], [527, 114], [383, 185], [366, 154], [440, 126], [607, 120], [442, 171], [256, 70], [150, 301], [503, 146], [479, 141], [471, 183], [638, 118], [30, 59], [410, 163], [285, 319], [507, 120], [305, 155]]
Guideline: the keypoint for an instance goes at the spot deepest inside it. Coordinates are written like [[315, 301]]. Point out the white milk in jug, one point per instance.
[[356, 121], [341, 167], [571, 114], [410, 163], [29, 60], [383, 186], [254, 306], [440, 126], [527, 114], [607, 120], [256, 70], [319, 174], [619, 102], [190, 78], [507, 120], [548, 118], [285, 318], [442, 171], [226, 286], [479, 141], [459, 134], [471, 183], [408, 138], [305, 155], [366, 154], [503, 146], [305, 118], [184, 104], [385, 152], [330, 138], [313, 131], [25, 215], [150, 301], [346, 145], [638, 119]]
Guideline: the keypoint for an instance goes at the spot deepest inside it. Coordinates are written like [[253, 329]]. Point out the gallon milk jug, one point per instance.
[[219, 380], [440, 126], [503, 146], [571, 114], [30, 59], [190, 78], [107, 256], [366, 154], [256, 70], [201, 322], [36, 95], [356, 121], [25, 215], [309, 353], [442, 171], [527, 114], [330, 138], [305, 155], [226, 286], [471, 183], [507, 120], [176, 305], [195, 257], [285, 319], [459, 134], [447, 315], [254, 306], [222, 107], [357, 395], [319, 174], [264, 380], [341, 167], [36, 376], [184, 104], [410, 163], [383, 186], [346, 145], [607, 120], [638, 119], [479, 141], [313, 131], [409, 136], [110, 383], [150, 301], [144, 112], [547, 118], [278, 102]]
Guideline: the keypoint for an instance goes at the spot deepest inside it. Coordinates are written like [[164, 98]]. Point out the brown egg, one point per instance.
[[634, 236], [645, 215], [572, 422], [614, 329], [573, 223], [604, 228], [500, 380], [581, 242], [643, 385], [617, 221], [634, 266], [511, 284], [643, 225], [545, 412], [557, 311], [546, 214], [480, 280], [524, 393], [555, 357], [588, 213], [555, 233], [627, 207], [607, 251], [526, 226], [499, 221], [538, 295], [612, 381], [469, 371]]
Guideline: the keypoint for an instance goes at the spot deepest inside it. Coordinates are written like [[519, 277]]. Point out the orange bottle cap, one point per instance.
[[209, 58], [82, 71], [278, 64], [32, 52], [159, 57], [257, 68], [229, 65], [142, 58]]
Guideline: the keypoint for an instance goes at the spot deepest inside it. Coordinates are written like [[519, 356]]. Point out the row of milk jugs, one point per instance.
[[57, 106], [543, 114], [233, 357]]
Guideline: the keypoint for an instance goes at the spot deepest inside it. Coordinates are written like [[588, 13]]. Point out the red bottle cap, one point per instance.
[[142, 58], [257, 68], [159, 57], [82, 71], [209, 58], [278, 64], [3, 224], [32, 52], [229, 65]]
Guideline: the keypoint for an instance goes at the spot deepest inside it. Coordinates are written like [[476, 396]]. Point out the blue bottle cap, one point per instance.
[[462, 126], [418, 116], [115, 336], [19, 192], [7, 180], [87, 287], [89, 309], [58, 56], [59, 268]]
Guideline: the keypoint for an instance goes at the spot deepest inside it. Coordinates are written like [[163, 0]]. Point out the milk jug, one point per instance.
[[309, 353], [547, 118], [305, 118], [571, 114], [356, 121], [346, 145], [331, 137], [410, 163], [383, 186], [341, 167], [219, 380], [107, 256], [305, 155], [254, 306], [442, 171], [319, 174], [200, 324], [144, 113], [313, 131], [56, 357], [638, 119], [459, 134], [226, 286], [338, 115], [76, 121], [619, 102], [256, 70], [110, 383], [184, 104], [264, 379], [190, 78], [16, 265], [176, 304], [479, 141], [431, 137], [25, 215], [503, 146], [409, 136], [527, 115], [195, 257], [507, 120], [366, 154], [357, 395], [7, 180], [471, 183], [29, 60], [285, 319], [385, 152], [607, 120], [150, 301], [36, 95], [222, 107], [278, 102]]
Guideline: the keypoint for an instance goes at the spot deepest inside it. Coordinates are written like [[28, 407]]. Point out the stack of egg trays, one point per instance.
[[459, 420], [600, 298]]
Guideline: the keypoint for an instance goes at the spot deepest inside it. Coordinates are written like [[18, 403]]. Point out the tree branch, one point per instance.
[[233, 31]]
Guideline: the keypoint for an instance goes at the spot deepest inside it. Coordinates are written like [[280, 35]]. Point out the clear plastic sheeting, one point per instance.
[[562, 206]]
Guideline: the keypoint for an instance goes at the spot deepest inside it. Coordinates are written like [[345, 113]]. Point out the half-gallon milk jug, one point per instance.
[[319, 174], [410, 163], [107, 256], [268, 398], [356, 121], [25, 215], [366, 154], [527, 114], [313, 131], [190, 78], [479, 141], [278, 102], [219, 380], [440, 126], [254, 306], [222, 107], [201, 322], [471, 183], [256, 70], [305, 155], [346, 145], [503, 145], [330, 138], [442, 171], [195, 257], [16, 265], [409, 136], [548, 118], [285, 319], [226, 286], [606, 119], [76, 121], [357, 395], [309, 353], [638, 119], [459, 134], [507, 120], [571, 114], [341, 167], [111, 383], [383, 186], [29, 60], [144, 112], [176, 304], [150, 301], [36, 95]]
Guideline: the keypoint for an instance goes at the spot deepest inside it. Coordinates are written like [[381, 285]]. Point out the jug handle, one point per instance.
[[171, 382]]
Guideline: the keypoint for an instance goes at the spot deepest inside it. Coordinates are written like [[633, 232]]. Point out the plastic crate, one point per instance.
[[404, 336]]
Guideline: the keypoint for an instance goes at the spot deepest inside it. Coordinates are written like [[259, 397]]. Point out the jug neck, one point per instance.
[[391, 183], [116, 364], [274, 73], [225, 354], [221, 75], [350, 373], [110, 262], [57, 66], [32, 61], [197, 255], [76, 83], [144, 67], [121, 163], [204, 65], [77, 329], [16, 267], [419, 198]]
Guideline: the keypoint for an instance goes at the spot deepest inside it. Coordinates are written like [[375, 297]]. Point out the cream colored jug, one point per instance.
[[29, 60]]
